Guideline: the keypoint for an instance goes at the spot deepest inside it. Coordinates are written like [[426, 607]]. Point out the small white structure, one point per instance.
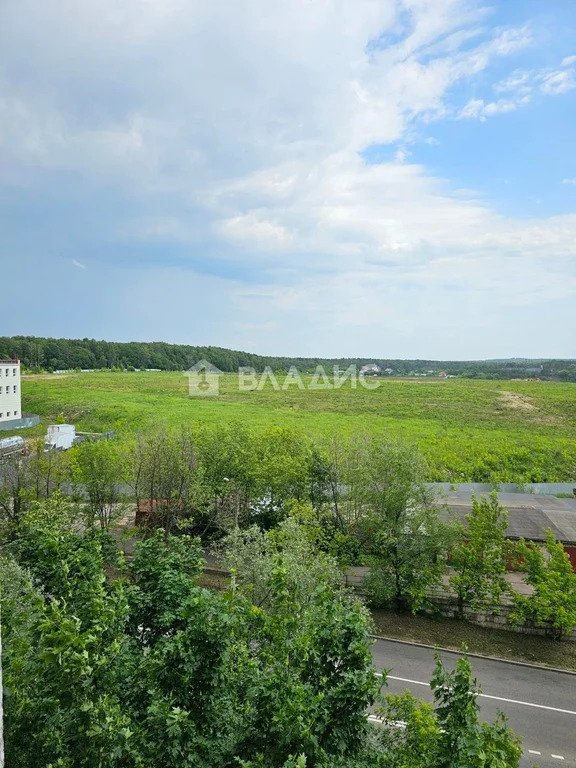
[[10, 395], [59, 437]]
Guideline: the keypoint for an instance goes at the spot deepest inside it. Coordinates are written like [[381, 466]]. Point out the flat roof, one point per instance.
[[9, 361], [529, 515]]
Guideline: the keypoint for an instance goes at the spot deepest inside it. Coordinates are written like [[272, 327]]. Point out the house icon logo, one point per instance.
[[203, 379]]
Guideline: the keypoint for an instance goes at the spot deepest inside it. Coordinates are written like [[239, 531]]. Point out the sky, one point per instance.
[[378, 178]]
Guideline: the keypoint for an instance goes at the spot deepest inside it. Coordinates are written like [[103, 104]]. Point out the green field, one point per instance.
[[484, 431]]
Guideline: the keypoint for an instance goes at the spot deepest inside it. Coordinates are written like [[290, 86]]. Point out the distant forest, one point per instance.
[[44, 354]]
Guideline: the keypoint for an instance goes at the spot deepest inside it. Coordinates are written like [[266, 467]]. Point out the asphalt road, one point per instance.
[[540, 704]]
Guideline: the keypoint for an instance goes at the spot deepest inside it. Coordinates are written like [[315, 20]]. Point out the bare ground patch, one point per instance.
[[522, 403], [516, 401]]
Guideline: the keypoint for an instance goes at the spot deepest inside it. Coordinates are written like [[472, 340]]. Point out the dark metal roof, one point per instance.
[[529, 516]]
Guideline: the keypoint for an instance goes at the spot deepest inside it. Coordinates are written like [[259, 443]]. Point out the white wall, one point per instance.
[[10, 391]]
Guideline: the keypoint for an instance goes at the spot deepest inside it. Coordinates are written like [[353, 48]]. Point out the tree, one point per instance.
[[479, 557], [404, 540], [550, 574], [98, 470], [163, 573], [229, 468], [448, 734], [253, 554], [416, 744], [28, 479], [463, 740], [62, 706], [168, 479], [282, 474]]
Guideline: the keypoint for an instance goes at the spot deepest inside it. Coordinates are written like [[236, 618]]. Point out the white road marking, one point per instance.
[[495, 698], [393, 723], [557, 757], [534, 752]]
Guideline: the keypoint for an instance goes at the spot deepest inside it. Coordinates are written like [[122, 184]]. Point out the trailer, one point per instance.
[[12, 446]]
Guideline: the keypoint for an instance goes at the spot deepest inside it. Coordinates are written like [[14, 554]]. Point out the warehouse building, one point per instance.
[[529, 517]]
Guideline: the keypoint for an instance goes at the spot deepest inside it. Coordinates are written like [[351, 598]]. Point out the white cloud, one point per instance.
[[478, 108], [522, 84], [568, 181], [252, 229], [559, 82], [78, 264]]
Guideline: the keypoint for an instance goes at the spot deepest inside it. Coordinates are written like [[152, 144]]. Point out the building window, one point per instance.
[[7, 413], [7, 371], [14, 388], [13, 371], [0, 390]]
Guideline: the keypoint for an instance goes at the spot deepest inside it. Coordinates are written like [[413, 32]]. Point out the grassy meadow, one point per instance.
[[492, 431]]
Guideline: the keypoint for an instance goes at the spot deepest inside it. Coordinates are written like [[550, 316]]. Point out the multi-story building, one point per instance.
[[10, 395]]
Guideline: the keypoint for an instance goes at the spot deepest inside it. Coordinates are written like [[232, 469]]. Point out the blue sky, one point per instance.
[[383, 178]]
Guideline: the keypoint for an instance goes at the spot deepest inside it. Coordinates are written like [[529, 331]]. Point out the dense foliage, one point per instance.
[[148, 668], [66, 354], [361, 502], [553, 600]]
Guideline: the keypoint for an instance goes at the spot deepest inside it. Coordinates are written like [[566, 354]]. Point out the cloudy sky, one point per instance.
[[387, 178]]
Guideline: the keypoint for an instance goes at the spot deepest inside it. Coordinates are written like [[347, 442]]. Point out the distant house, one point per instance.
[[388, 371], [371, 369], [442, 375]]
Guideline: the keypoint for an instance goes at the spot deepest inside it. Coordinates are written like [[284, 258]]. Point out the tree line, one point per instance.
[[362, 501], [47, 354]]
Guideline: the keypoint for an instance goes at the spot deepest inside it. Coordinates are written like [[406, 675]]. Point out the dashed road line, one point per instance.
[[534, 752], [495, 698], [557, 757]]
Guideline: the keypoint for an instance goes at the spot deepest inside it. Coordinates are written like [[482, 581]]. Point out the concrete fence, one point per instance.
[[537, 489], [444, 603]]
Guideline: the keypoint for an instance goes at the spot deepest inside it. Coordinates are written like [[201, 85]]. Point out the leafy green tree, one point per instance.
[[410, 734], [252, 555], [27, 480], [168, 479], [404, 540], [463, 740], [230, 472], [449, 733], [163, 573], [550, 574], [61, 707], [283, 461], [479, 558], [99, 469]]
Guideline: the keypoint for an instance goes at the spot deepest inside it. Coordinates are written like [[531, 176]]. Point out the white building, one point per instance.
[[10, 394]]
